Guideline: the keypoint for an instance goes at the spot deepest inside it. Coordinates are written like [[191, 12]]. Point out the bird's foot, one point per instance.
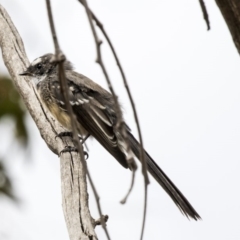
[[70, 134], [70, 149]]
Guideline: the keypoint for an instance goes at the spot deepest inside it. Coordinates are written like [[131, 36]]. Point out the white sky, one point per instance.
[[185, 82]]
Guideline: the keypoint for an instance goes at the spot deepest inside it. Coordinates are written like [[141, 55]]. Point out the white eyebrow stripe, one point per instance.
[[36, 61]]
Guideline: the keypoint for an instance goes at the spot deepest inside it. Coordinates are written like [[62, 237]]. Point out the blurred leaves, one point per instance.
[[11, 106], [5, 183]]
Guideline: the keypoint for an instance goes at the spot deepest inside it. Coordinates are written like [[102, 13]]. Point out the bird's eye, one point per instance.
[[39, 66]]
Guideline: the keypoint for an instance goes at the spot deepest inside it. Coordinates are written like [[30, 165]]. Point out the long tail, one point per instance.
[[175, 194]]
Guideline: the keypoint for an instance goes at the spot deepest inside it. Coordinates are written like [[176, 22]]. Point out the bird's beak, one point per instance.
[[25, 73]]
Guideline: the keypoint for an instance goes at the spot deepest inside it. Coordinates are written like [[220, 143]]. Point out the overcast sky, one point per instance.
[[186, 85]]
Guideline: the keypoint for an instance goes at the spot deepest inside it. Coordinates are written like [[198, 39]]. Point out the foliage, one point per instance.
[[5, 183], [11, 106]]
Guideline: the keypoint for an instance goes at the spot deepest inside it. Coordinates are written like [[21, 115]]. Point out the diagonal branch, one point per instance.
[[74, 190]]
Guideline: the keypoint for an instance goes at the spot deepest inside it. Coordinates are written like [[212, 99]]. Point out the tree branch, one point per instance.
[[205, 13], [74, 187]]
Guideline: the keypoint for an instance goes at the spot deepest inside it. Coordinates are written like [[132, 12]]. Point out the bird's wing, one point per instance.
[[94, 109]]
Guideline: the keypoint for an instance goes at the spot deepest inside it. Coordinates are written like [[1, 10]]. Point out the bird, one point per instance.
[[95, 111]]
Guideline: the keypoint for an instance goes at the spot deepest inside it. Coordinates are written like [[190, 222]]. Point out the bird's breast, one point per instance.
[[63, 118]]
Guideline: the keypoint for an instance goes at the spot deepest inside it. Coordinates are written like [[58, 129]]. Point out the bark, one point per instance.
[[73, 175], [230, 10]]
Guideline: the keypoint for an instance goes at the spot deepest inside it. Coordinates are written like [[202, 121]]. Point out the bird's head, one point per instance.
[[43, 66]]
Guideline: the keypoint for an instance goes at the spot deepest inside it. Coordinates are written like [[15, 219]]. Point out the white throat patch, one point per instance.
[[36, 61]]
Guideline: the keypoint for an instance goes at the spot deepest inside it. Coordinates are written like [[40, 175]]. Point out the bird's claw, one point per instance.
[[64, 134], [73, 149], [67, 134]]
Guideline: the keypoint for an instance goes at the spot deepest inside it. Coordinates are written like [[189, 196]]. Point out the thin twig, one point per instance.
[[124, 200], [63, 83], [143, 161], [98, 221], [60, 58], [145, 212], [101, 27], [205, 13], [120, 125], [97, 198]]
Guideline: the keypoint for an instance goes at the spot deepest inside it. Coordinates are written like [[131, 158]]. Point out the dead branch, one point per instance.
[[205, 13], [74, 187]]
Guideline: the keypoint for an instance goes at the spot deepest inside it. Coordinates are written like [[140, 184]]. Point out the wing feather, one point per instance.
[[89, 105]]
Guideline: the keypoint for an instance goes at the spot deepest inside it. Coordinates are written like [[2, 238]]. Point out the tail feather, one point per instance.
[[175, 194]]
